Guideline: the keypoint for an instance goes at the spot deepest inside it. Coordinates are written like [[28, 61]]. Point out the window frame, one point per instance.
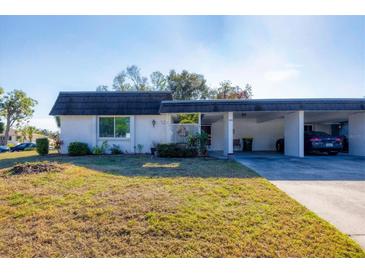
[[113, 116]]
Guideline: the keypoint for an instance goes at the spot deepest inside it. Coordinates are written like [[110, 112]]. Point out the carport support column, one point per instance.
[[357, 134], [294, 134], [228, 134]]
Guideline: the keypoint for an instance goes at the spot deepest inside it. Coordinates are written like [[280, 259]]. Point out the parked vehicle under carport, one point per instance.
[[317, 141]]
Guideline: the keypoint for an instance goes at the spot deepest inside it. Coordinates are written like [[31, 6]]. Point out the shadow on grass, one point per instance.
[[145, 165]]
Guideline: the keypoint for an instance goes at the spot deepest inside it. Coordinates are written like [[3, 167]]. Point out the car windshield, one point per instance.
[[21, 145]]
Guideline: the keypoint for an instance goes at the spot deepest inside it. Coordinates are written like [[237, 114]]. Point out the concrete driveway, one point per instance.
[[331, 186]]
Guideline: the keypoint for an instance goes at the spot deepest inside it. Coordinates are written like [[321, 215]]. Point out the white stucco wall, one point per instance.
[[78, 128], [294, 134], [146, 134], [85, 129], [357, 134], [264, 134]]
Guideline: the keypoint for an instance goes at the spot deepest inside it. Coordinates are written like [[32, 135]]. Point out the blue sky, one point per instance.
[[280, 56]]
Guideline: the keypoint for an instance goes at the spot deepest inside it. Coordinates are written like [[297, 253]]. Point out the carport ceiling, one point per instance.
[[261, 117], [327, 117]]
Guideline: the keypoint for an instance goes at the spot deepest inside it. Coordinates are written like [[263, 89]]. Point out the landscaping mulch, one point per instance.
[[34, 168]]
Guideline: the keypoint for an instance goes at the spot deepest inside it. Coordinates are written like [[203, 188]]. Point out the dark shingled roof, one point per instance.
[[153, 102], [109, 103], [262, 105]]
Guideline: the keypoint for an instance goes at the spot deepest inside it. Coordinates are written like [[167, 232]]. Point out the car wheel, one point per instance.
[[332, 153]]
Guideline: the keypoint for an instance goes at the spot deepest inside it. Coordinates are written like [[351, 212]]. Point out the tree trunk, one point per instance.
[[7, 129]]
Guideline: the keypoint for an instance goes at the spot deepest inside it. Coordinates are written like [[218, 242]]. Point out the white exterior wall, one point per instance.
[[294, 134], [264, 134], [217, 133], [146, 134], [77, 128], [357, 134], [86, 129]]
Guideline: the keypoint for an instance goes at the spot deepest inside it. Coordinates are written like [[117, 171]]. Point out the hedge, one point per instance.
[[42, 146], [78, 149], [176, 150]]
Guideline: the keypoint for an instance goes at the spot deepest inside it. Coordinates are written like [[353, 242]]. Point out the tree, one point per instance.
[[158, 81], [187, 86], [23, 133], [30, 132], [16, 107], [227, 91], [119, 82], [102, 88], [1, 127], [188, 118], [130, 80], [245, 93], [140, 83]]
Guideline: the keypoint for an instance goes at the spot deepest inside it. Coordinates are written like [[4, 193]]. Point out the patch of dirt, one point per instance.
[[34, 168]]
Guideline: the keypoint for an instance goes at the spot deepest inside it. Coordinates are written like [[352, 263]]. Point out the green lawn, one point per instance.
[[137, 206]]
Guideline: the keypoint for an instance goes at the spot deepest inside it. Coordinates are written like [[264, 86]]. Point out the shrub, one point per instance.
[[200, 142], [57, 144], [98, 150], [42, 146], [78, 149], [176, 150], [115, 149]]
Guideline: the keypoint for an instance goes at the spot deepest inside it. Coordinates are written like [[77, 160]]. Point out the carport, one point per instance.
[[266, 120]]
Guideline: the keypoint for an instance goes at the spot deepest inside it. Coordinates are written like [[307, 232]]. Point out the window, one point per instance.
[[114, 127], [122, 127]]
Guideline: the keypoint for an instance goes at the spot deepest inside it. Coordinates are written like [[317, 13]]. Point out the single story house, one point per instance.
[[139, 120], [13, 139]]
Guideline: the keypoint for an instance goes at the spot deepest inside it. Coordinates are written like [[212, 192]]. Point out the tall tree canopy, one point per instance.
[[227, 91], [158, 81], [183, 86], [16, 107], [186, 85], [102, 88], [130, 79], [31, 130]]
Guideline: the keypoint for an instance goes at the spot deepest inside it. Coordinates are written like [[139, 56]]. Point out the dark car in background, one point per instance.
[[23, 146], [4, 149], [317, 141]]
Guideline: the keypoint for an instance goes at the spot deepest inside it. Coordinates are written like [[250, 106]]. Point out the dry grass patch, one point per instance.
[[125, 206]]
